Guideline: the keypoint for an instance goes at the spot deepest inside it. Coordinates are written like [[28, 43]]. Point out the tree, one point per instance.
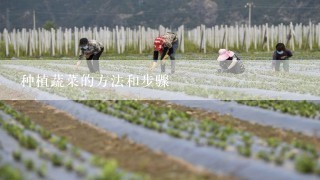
[[48, 25]]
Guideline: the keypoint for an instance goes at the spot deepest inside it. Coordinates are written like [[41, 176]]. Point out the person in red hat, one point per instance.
[[164, 45], [229, 62]]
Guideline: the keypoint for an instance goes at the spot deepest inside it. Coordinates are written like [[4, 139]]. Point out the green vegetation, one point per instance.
[[302, 108], [48, 25], [264, 156], [56, 160], [24, 140], [44, 133], [60, 143], [69, 165], [244, 150], [7, 172], [272, 142], [107, 167], [80, 170], [16, 155], [28, 163], [110, 171], [180, 124], [305, 164], [42, 171], [279, 160]]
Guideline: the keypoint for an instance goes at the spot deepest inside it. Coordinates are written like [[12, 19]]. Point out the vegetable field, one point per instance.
[[131, 122]]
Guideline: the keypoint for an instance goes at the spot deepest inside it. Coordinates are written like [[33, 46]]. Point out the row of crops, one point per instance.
[[34, 151], [258, 89]]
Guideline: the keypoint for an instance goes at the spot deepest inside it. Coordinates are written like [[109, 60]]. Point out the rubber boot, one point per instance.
[[173, 66], [96, 66], [163, 68], [90, 66]]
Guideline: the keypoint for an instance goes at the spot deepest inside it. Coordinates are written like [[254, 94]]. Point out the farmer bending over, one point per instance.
[[229, 62], [92, 50], [281, 55], [164, 45]]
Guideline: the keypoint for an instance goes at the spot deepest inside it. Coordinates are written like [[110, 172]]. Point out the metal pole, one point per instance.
[[249, 5], [7, 19], [34, 19]]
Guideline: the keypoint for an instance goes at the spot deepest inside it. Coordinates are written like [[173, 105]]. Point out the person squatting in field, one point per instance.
[[163, 45], [91, 50], [281, 56], [229, 62]]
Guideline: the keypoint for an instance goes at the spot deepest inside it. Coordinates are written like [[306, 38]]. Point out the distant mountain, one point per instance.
[[151, 13]]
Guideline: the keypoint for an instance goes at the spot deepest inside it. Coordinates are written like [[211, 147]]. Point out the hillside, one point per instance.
[[153, 12]]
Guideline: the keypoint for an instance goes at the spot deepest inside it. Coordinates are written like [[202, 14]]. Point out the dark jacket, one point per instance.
[[285, 56], [237, 69]]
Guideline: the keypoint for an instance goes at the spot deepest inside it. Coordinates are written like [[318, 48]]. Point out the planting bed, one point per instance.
[[204, 125], [33, 149]]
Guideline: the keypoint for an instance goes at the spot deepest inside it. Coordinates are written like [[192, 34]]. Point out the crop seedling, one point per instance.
[[244, 150], [98, 161], [28, 142], [203, 134], [174, 133], [53, 140], [246, 138], [80, 170], [42, 171], [283, 150], [279, 160], [43, 154], [211, 143], [7, 172], [109, 171], [222, 145], [62, 144], [291, 155], [29, 164], [75, 152], [272, 142], [263, 155], [222, 136], [16, 155], [56, 160], [232, 141], [305, 164], [312, 150], [44, 134], [69, 165], [31, 143]]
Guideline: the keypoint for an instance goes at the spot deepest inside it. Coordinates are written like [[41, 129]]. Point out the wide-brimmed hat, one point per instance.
[[224, 54]]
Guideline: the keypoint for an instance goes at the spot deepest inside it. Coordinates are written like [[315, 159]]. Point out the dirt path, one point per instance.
[[130, 156]]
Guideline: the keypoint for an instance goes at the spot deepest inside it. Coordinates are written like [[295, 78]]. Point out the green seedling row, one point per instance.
[[301, 108], [58, 160], [203, 132]]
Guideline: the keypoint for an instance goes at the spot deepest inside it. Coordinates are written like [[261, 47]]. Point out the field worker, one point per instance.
[[165, 45], [92, 51], [229, 62], [281, 55]]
